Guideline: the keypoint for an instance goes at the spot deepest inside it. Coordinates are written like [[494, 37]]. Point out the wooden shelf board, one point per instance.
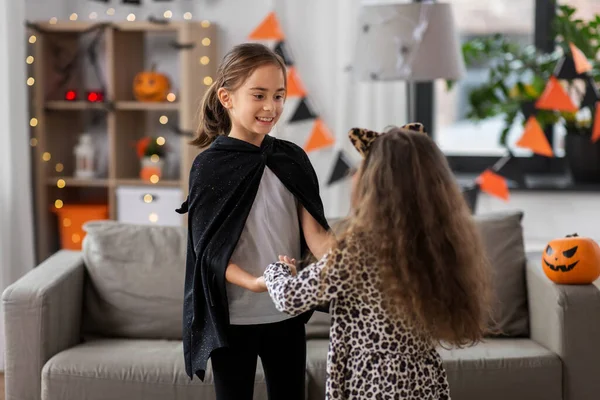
[[147, 26], [73, 105], [142, 106], [66, 26], [139, 182], [79, 182], [133, 26]]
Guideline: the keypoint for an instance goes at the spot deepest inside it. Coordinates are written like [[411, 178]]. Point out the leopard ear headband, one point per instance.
[[362, 139]]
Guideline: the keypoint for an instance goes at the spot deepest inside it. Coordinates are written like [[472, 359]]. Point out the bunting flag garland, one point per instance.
[[269, 29], [281, 49], [591, 93], [528, 109], [320, 137], [294, 85], [303, 112], [535, 139], [508, 167], [582, 65], [471, 194], [565, 69], [555, 98], [341, 169], [493, 184]]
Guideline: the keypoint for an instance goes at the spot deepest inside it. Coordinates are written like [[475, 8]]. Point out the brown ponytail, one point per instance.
[[235, 68], [213, 117]]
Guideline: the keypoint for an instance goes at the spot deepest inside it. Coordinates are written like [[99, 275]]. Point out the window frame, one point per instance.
[[544, 40]]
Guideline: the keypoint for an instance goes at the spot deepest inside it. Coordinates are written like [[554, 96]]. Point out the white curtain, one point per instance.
[[16, 231], [321, 35]]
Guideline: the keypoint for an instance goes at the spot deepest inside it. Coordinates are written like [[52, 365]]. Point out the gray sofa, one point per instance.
[[105, 323]]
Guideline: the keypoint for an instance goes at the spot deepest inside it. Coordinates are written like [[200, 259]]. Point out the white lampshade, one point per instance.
[[409, 41]]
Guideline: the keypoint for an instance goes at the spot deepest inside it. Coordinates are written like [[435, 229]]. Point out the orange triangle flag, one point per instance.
[[555, 98], [294, 85], [596, 130], [320, 137], [268, 29], [581, 62], [535, 139], [493, 184]]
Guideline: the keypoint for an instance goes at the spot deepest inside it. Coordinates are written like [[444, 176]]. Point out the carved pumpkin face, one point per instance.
[[150, 86], [572, 260]]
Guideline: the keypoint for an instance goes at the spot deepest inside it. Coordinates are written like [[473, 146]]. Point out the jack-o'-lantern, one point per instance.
[[151, 86], [572, 260]]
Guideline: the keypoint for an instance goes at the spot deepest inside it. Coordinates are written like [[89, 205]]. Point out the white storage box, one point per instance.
[[149, 205]]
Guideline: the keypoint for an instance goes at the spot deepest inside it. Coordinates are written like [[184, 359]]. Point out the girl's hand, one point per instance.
[[259, 285], [290, 262]]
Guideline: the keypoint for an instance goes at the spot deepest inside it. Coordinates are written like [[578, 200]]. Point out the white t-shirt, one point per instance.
[[272, 229]]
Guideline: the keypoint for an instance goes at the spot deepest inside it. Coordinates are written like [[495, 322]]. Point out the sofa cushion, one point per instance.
[[136, 276], [504, 368], [318, 326], [497, 369], [128, 369], [502, 236]]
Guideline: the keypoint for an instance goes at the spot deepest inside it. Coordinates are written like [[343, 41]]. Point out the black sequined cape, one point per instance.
[[224, 180]]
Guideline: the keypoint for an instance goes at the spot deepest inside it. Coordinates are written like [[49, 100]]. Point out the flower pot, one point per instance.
[[150, 168], [583, 158]]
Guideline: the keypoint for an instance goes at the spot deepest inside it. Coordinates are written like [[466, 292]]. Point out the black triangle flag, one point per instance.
[[565, 69], [510, 168], [283, 52], [303, 112], [471, 194], [528, 109], [591, 94], [341, 169]]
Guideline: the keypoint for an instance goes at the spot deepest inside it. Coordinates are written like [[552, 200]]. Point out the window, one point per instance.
[[454, 133]]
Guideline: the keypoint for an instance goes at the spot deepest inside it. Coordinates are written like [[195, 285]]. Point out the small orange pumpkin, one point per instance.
[[572, 260], [151, 86]]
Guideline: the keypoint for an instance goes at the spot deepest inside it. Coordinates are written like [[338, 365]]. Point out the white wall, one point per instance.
[[16, 237], [320, 36]]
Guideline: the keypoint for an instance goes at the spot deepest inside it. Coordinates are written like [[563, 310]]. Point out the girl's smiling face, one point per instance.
[[255, 107]]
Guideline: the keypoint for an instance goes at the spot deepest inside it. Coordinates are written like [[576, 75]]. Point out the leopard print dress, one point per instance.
[[371, 354]]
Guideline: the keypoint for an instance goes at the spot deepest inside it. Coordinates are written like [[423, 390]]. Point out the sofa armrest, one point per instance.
[[566, 320], [42, 317]]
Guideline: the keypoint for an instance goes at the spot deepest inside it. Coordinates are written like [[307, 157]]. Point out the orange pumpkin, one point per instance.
[[572, 260], [151, 86]]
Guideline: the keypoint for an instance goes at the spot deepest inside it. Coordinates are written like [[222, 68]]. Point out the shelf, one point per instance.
[[73, 105], [57, 105], [126, 49], [147, 26], [79, 182], [143, 106], [133, 26], [139, 182]]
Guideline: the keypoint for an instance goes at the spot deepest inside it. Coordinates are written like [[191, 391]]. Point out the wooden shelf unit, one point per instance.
[[60, 122]]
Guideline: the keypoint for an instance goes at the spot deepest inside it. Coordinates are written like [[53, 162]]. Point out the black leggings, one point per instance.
[[282, 350]]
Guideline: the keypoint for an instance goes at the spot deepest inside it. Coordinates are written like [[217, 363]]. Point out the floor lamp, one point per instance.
[[413, 42]]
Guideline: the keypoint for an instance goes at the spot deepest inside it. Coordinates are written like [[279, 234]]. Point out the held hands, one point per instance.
[[290, 262], [259, 284]]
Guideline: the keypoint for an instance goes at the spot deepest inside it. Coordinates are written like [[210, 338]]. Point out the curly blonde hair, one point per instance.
[[409, 211]]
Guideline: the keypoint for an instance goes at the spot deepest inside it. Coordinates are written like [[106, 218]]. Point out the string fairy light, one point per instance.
[[34, 122]]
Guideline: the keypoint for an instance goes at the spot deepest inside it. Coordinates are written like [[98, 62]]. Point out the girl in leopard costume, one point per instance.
[[408, 274]]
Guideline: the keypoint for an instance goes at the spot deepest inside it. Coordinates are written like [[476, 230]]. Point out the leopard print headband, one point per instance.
[[362, 139]]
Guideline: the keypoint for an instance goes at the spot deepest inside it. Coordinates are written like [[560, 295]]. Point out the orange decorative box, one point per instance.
[[71, 218]]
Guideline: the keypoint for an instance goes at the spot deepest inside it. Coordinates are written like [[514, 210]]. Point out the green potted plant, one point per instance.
[[518, 75]]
